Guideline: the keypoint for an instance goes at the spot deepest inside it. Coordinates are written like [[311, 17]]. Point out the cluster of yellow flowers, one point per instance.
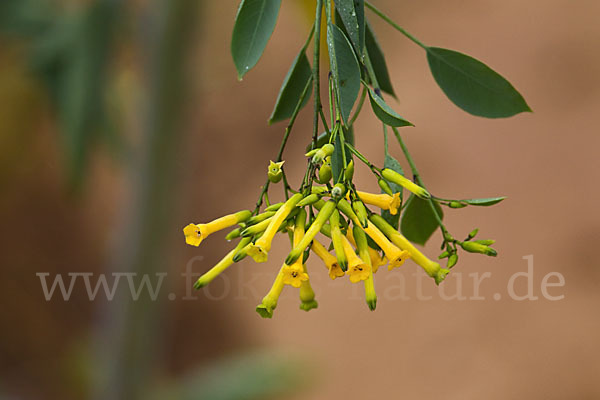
[[339, 213]]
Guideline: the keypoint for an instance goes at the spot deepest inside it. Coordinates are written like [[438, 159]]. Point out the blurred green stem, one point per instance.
[[127, 346]]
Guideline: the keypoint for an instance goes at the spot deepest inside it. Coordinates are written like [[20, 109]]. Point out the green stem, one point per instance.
[[395, 25], [359, 107], [385, 141], [419, 181], [371, 71], [286, 135], [362, 158], [315, 71]]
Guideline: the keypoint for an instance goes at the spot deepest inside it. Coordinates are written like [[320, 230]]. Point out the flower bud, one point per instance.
[[452, 260], [337, 240], [473, 233], [318, 189], [256, 228], [327, 149], [349, 171], [443, 255], [347, 210], [311, 153], [361, 212], [338, 191], [473, 247], [323, 152], [260, 217], [315, 227], [324, 174], [385, 186], [398, 179], [456, 204], [236, 233], [274, 207], [308, 200], [274, 172], [486, 242]]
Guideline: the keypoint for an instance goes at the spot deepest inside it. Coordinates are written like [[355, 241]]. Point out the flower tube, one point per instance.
[[391, 251], [336, 239], [363, 252], [383, 201], [221, 266], [315, 227], [196, 233], [358, 270], [330, 261], [376, 259], [409, 185], [432, 268], [259, 251]]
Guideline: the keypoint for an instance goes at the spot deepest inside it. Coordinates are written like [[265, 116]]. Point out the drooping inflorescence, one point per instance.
[[361, 240], [352, 232]]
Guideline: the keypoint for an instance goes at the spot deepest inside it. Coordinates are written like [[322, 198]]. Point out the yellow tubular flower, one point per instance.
[[196, 233], [294, 275], [336, 239], [259, 251], [307, 294], [329, 259], [269, 302], [395, 255], [376, 259], [383, 201], [363, 252], [432, 268], [315, 227], [358, 270], [409, 185], [221, 266]]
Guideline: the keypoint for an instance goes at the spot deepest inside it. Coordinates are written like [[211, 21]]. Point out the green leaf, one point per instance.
[[254, 24], [352, 13], [418, 221], [337, 161], [344, 69], [473, 86], [393, 164], [377, 59], [293, 86], [385, 112], [490, 201]]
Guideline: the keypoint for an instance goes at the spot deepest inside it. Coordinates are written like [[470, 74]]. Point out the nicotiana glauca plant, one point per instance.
[[327, 202]]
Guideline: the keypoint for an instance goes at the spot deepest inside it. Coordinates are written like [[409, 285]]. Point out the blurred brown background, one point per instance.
[[197, 147]]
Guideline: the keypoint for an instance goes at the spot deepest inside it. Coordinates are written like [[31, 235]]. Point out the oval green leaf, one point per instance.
[[352, 13], [473, 86], [489, 201], [385, 112], [344, 69], [254, 24], [418, 220], [293, 86], [377, 59]]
